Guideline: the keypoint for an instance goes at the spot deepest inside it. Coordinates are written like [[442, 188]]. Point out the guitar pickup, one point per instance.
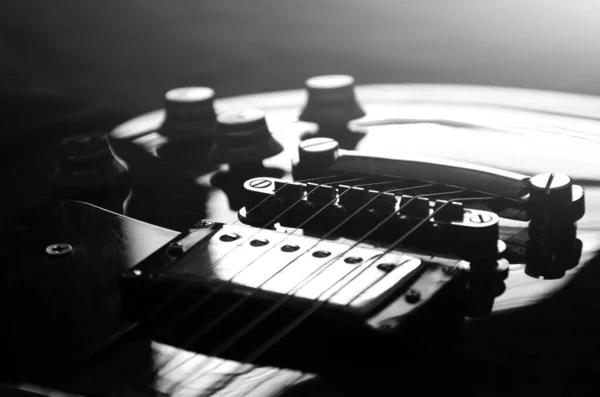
[[241, 261], [227, 279]]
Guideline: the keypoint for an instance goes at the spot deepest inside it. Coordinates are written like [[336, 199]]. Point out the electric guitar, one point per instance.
[[336, 240]]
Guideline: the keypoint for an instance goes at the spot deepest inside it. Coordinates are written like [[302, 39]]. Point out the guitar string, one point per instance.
[[229, 379], [317, 304], [279, 216], [222, 383], [250, 326], [205, 298], [303, 282], [223, 315], [413, 187], [279, 335], [399, 189], [183, 288], [483, 198]]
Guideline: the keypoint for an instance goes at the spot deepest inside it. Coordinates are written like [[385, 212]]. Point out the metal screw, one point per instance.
[[175, 249], [412, 296], [388, 325], [229, 237], [480, 218], [259, 242], [321, 254], [59, 249], [290, 248], [449, 270], [353, 260], [132, 273], [260, 183], [386, 267], [204, 224]]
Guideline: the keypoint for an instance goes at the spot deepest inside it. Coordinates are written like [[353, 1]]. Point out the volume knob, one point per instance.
[[552, 190], [189, 114], [315, 156], [318, 151], [243, 140], [555, 204], [331, 99], [554, 200], [332, 104]]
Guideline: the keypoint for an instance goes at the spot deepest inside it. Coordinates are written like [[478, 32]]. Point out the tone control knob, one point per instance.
[[318, 151], [315, 156], [331, 99], [189, 114], [243, 140], [553, 190], [554, 200], [555, 204], [332, 104]]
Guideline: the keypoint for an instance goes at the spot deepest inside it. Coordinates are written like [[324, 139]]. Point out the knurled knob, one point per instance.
[[551, 189], [331, 99], [318, 151], [189, 114], [555, 204], [243, 137], [315, 156], [554, 199]]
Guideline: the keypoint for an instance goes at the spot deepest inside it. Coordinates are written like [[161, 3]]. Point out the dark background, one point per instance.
[[123, 54]]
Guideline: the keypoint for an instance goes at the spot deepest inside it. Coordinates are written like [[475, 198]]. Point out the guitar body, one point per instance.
[[541, 335]]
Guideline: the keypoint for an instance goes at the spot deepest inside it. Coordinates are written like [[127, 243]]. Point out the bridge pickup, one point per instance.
[[265, 266], [243, 284]]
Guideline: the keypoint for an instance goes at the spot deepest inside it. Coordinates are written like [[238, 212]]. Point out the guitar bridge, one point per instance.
[[442, 206], [440, 225]]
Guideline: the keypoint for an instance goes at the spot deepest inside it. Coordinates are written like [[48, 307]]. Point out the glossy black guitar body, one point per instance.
[[80, 310]]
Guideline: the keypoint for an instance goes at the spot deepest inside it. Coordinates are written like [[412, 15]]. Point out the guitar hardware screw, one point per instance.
[[353, 260], [321, 254], [449, 270], [175, 249], [204, 224], [412, 296], [480, 218], [229, 237], [260, 183], [133, 273], [386, 267], [290, 248], [259, 242], [59, 249], [388, 325]]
